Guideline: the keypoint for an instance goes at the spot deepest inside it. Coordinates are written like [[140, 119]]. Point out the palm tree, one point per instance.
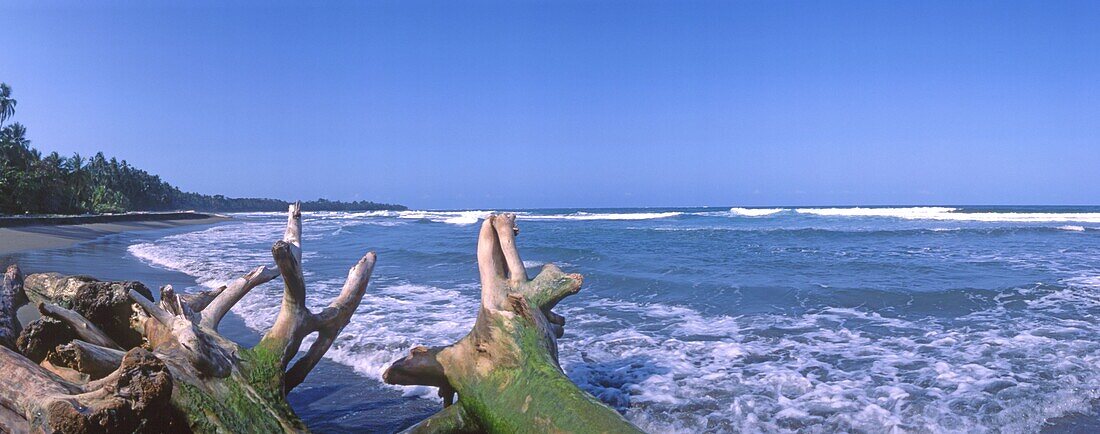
[[7, 103]]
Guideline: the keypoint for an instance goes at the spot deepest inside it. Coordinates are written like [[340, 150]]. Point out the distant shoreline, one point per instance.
[[18, 234], [60, 220]]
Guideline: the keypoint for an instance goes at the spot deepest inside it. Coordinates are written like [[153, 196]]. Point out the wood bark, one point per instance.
[[83, 328], [505, 371], [41, 336], [95, 361], [105, 304], [11, 297], [207, 383], [137, 392]]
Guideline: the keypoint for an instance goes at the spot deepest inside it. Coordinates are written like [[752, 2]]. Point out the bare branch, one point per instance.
[[489, 264], [293, 233], [333, 319], [505, 226], [168, 333], [91, 359], [294, 321], [85, 329], [172, 303], [419, 368], [212, 315], [200, 300], [551, 286], [152, 309]]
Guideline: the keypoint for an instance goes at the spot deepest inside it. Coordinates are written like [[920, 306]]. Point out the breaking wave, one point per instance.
[[581, 215], [1004, 360], [756, 212], [943, 213]]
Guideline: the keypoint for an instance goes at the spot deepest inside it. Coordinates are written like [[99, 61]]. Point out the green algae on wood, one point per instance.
[[506, 371]]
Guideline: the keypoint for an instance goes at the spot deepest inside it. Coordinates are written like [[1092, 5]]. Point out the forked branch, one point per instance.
[[216, 309], [178, 334], [333, 319], [295, 321], [228, 297]]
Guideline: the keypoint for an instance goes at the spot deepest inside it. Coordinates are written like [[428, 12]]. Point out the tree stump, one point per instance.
[[505, 371]]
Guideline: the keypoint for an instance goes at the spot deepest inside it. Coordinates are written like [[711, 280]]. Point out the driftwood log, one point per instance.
[[505, 371], [106, 357], [11, 297]]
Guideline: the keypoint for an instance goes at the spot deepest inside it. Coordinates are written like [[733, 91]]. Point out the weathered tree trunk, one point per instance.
[[505, 371], [134, 398], [85, 329], [11, 297], [105, 304], [95, 361], [212, 384]]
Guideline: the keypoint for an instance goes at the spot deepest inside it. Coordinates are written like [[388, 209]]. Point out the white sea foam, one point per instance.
[[905, 213], [390, 320], [1072, 228], [600, 216], [463, 218], [1009, 365], [460, 218], [944, 213], [756, 212], [394, 317], [820, 372]]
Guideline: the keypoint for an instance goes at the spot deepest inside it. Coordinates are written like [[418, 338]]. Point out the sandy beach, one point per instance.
[[53, 236]]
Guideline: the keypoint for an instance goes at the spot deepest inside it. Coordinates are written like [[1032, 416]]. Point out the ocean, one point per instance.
[[914, 319]]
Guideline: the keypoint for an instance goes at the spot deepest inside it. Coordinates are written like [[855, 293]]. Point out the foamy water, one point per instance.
[[756, 212], [942, 213], [756, 320]]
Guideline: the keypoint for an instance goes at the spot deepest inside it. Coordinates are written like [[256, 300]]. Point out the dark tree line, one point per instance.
[[34, 184]]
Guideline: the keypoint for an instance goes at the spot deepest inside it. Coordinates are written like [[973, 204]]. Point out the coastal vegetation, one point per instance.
[[33, 183]]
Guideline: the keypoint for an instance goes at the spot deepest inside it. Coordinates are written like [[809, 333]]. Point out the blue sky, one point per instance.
[[586, 103]]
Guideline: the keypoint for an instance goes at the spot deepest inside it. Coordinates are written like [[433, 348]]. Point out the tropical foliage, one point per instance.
[[34, 184]]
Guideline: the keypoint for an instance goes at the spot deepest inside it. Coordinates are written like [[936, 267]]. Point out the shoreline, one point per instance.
[[45, 233], [12, 221]]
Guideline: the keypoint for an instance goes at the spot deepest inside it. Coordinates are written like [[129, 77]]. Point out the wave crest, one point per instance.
[[946, 213], [756, 212]]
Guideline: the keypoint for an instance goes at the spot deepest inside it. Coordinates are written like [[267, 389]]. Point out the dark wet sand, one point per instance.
[[48, 236]]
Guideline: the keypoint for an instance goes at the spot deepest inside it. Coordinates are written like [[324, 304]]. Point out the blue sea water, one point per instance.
[[920, 319]]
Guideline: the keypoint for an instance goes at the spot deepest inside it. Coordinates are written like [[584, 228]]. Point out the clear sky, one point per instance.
[[588, 103]]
